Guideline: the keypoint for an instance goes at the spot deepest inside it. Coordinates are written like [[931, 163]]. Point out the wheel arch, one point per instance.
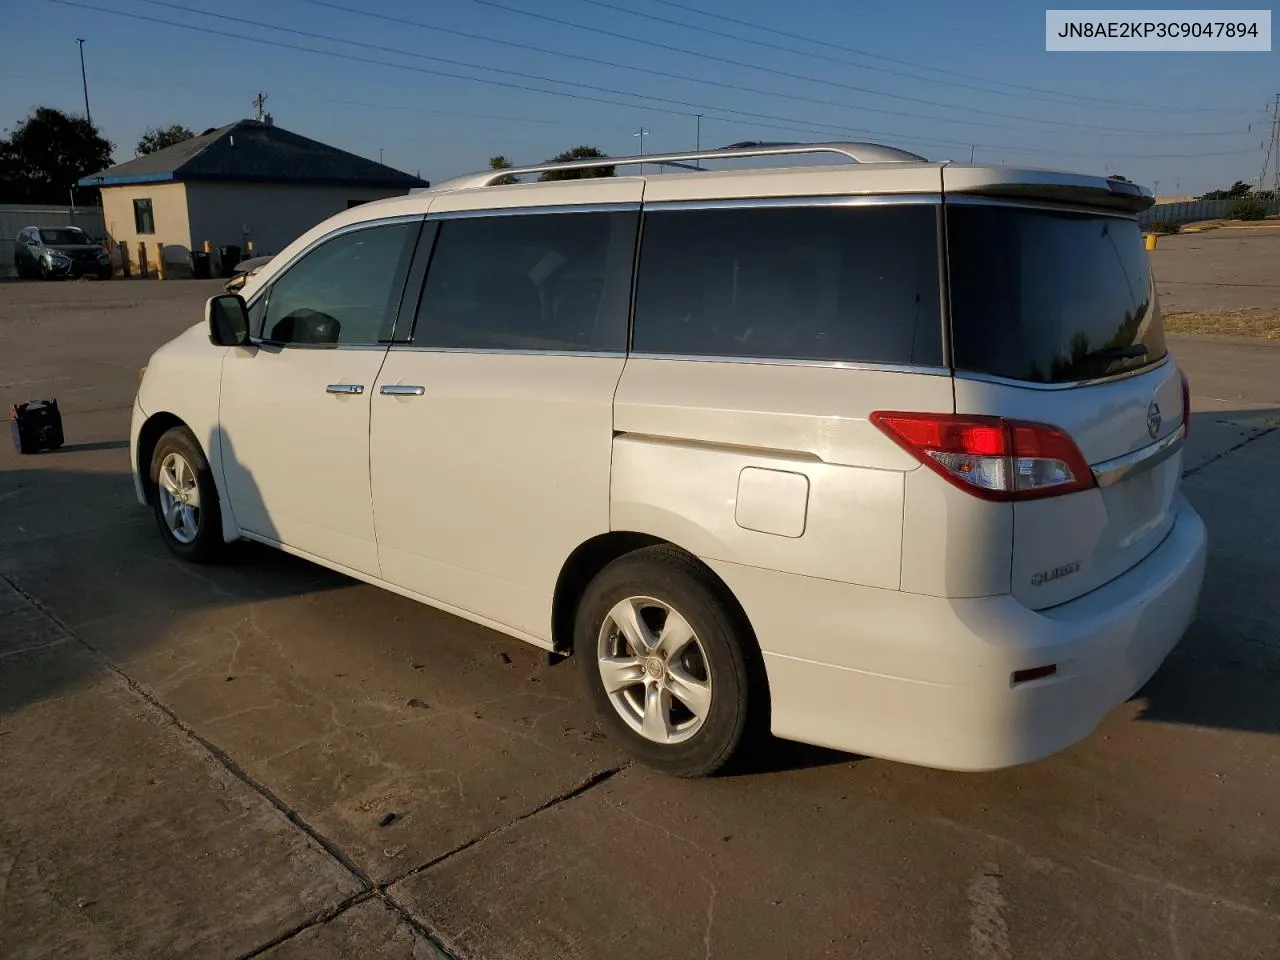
[[592, 556], [155, 427]]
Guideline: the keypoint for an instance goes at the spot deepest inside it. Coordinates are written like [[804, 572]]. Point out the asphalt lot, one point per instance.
[[268, 759], [1229, 268]]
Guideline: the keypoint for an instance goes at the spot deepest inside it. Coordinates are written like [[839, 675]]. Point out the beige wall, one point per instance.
[[168, 209], [276, 214]]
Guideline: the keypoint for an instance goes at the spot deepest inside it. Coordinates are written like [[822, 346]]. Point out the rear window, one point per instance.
[[1049, 297], [63, 235], [844, 283]]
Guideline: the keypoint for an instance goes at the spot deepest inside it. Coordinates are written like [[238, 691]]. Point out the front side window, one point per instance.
[[1050, 297], [345, 291], [828, 283], [554, 282], [143, 220]]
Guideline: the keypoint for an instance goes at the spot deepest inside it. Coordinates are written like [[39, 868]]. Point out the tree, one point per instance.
[[578, 153], [500, 162], [157, 138], [46, 154], [1237, 189]]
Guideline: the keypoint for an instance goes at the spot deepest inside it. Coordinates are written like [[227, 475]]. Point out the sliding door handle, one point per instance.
[[402, 390], [345, 388]]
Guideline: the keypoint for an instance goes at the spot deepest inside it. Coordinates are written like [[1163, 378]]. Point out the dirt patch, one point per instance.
[[1253, 322]]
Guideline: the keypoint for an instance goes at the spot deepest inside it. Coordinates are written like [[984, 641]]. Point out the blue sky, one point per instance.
[[945, 76]]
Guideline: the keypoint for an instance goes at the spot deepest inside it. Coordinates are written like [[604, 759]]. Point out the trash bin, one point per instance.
[[230, 257], [200, 265]]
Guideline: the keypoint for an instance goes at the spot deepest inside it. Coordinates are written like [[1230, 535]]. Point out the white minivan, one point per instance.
[[882, 455]]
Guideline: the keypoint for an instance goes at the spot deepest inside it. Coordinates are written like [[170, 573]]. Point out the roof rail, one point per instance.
[[855, 151]]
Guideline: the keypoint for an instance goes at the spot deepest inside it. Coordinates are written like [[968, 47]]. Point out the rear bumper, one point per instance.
[[929, 681]]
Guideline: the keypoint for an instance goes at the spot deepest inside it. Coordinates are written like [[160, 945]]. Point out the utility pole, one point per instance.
[[971, 146], [697, 146], [379, 154], [1272, 157], [84, 80], [1155, 186], [641, 133], [260, 107]]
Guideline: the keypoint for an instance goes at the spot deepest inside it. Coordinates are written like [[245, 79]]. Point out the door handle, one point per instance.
[[402, 390], [344, 388]]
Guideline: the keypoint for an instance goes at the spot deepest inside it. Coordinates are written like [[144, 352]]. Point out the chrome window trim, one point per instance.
[[1112, 471], [265, 290], [622, 206], [1070, 385], [515, 352], [970, 200], [837, 200], [787, 362]]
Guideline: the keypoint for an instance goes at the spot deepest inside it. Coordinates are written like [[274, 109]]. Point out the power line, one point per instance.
[[789, 124], [757, 91], [530, 76], [702, 55], [1063, 97]]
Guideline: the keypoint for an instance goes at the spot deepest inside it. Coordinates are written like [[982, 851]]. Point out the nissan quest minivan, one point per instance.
[[883, 455]]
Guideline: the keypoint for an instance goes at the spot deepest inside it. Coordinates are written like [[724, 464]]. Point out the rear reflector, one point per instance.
[[991, 457], [1035, 673]]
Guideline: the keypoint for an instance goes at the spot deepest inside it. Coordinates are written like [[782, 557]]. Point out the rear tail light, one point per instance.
[[1186, 403], [990, 457]]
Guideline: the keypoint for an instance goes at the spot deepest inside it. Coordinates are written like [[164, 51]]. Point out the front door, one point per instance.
[[294, 406], [491, 432]]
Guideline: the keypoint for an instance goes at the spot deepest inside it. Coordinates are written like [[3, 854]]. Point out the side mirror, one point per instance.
[[228, 320]]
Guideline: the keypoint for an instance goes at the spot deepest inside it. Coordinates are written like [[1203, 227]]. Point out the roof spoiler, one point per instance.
[[1107, 193]]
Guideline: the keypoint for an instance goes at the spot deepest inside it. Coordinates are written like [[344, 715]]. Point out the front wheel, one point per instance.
[[185, 498], [669, 662]]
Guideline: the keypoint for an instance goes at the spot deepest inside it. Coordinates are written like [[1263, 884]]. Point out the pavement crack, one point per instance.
[[1218, 456], [592, 781], [323, 917]]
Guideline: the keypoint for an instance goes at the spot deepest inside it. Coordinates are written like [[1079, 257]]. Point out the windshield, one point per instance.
[[1048, 296], [60, 236]]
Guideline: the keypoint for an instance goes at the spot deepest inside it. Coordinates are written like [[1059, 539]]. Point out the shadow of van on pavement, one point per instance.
[[1226, 671]]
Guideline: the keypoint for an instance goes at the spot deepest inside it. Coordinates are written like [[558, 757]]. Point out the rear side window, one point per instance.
[[1049, 297], [554, 282], [843, 283]]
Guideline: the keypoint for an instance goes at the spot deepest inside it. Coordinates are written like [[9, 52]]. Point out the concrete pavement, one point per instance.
[[267, 759]]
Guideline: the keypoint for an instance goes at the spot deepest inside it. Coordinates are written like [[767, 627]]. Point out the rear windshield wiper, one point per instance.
[[1136, 351]]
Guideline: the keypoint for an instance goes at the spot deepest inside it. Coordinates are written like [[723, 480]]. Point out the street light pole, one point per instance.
[[84, 81], [641, 133], [698, 142]]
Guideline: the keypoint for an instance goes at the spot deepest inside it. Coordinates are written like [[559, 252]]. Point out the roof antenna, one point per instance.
[[260, 105]]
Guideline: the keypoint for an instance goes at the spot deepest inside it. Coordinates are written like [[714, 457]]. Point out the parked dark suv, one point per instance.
[[50, 252]]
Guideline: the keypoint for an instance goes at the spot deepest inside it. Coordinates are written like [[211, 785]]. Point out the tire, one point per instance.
[[705, 697], [190, 521]]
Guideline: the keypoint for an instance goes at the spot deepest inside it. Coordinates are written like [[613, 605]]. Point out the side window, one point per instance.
[[855, 283], [345, 291], [144, 221], [555, 281]]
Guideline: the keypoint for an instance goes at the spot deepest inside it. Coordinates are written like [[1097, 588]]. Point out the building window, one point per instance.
[[143, 220]]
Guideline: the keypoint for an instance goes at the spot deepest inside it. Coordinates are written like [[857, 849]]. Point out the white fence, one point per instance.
[[16, 216], [1191, 211]]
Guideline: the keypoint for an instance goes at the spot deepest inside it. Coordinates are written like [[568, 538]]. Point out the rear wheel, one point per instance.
[[185, 498], [669, 662]]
